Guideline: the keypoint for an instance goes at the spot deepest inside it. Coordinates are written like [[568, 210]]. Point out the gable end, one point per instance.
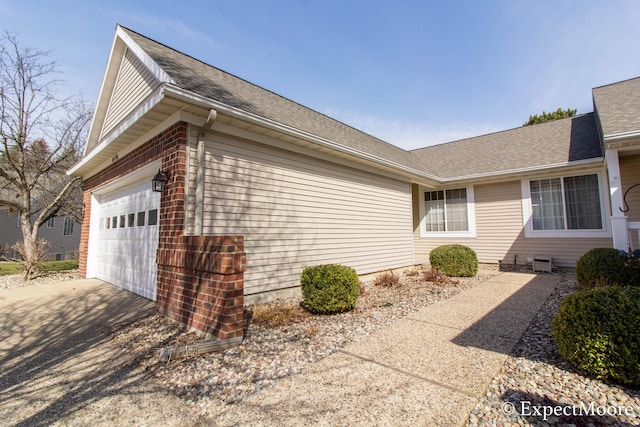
[[133, 84]]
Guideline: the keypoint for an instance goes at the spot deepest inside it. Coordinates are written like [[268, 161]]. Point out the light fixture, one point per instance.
[[159, 181]]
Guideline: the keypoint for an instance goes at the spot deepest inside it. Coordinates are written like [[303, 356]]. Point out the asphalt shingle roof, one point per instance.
[[556, 142], [198, 77], [618, 106]]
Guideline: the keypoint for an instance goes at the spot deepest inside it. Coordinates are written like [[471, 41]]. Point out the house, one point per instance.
[[61, 232], [258, 186]]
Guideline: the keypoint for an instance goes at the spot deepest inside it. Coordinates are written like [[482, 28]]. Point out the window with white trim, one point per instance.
[[448, 212], [570, 203], [566, 206], [51, 222], [68, 226]]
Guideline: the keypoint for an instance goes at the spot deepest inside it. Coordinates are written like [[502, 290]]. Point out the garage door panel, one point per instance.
[[127, 243]]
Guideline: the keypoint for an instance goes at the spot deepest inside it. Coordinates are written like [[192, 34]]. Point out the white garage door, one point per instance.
[[128, 239]]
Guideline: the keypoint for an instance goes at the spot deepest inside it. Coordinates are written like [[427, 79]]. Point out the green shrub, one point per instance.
[[596, 330], [604, 267], [454, 260], [329, 288]]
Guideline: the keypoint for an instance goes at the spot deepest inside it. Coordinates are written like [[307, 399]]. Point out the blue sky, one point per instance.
[[413, 73]]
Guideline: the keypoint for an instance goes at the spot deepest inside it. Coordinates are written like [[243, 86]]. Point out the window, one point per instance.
[[68, 226], [51, 222], [55, 257], [114, 222], [131, 220], [564, 206], [122, 223], [448, 212], [571, 203], [153, 217], [140, 222]]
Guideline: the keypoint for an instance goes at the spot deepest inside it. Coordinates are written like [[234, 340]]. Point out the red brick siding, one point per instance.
[[200, 278], [200, 283]]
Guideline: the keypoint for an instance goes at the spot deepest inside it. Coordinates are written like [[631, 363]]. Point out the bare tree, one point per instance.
[[42, 136]]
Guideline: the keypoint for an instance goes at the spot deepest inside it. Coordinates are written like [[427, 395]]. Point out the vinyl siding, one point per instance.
[[10, 233], [500, 233], [295, 210], [133, 84], [630, 175]]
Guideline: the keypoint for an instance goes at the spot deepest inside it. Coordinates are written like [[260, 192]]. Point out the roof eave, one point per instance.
[[79, 169], [525, 171], [205, 102], [622, 140]]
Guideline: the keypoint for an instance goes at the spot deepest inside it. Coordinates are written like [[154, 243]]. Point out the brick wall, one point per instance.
[[200, 283], [200, 278]]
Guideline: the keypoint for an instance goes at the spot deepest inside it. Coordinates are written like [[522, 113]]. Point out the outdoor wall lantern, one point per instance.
[[159, 181]]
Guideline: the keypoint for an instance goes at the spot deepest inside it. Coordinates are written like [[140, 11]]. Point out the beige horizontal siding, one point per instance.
[[630, 175], [296, 210], [133, 84], [500, 232]]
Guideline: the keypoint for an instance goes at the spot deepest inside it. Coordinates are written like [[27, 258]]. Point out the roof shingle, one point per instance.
[[555, 142], [550, 143], [200, 78], [618, 107]]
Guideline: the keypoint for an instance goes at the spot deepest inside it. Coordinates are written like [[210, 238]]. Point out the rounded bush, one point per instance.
[[596, 330], [454, 260], [602, 267], [329, 288]]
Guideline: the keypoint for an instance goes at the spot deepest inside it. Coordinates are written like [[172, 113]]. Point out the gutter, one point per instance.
[[215, 107], [271, 124], [624, 135], [577, 163], [156, 97]]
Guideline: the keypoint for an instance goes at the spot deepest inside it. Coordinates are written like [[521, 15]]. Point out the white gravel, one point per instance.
[[11, 281], [211, 381], [535, 378]]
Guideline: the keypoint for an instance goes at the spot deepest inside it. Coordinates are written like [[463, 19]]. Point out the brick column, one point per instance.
[[200, 283]]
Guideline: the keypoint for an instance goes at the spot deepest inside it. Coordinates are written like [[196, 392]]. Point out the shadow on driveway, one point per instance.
[[57, 364]]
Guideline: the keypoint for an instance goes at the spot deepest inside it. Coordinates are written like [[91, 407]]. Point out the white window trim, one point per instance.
[[51, 223], [471, 215], [605, 211], [64, 226]]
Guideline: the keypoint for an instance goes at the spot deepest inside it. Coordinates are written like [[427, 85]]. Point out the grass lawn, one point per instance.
[[14, 267]]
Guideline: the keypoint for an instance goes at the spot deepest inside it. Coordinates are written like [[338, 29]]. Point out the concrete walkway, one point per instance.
[[428, 369]]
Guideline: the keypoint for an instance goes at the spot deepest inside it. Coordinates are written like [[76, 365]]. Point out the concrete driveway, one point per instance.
[[57, 366]]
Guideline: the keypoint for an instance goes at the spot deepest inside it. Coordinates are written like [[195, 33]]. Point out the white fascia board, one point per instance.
[[520, 171], [262, 121], [133, 117], [624, 135], [113, 58], [114, 61], [148, 62]]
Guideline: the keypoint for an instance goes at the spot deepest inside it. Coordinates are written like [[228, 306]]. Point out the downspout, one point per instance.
[[200, 175]]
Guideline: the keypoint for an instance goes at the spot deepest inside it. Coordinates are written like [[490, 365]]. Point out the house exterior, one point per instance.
[[62, 233], [260, 186]]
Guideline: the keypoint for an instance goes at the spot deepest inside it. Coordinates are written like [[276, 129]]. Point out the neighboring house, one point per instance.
[[260, 186], [62, 233]]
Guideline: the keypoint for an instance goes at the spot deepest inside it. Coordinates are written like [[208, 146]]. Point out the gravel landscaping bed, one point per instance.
[[535, 378], [281, 340], [10, 281]]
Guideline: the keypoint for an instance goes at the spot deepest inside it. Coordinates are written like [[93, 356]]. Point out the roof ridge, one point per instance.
[[264, 89], [616, 83]]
